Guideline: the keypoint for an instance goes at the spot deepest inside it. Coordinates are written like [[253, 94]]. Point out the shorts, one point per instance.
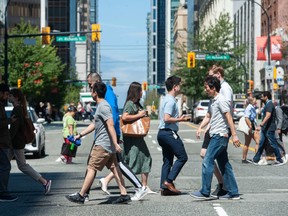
[[99, 158], [206, 140]]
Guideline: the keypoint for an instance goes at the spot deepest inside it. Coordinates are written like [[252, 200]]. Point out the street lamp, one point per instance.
[[6, 45]]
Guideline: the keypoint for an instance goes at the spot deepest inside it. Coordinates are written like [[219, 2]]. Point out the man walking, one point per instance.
[[5, 145], [169, 139], [268, 128], [221, 121]]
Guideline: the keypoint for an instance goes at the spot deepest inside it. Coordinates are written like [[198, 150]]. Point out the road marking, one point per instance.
[[278, 190], [149, 136], [219, 210], [154, 142], [159, 148], [189, 140]]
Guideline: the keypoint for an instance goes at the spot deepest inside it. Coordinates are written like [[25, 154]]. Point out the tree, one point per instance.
[[218, 38]]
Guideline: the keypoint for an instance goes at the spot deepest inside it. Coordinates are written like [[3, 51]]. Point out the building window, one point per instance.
[[154, 40], [154, 66], [154, 26]]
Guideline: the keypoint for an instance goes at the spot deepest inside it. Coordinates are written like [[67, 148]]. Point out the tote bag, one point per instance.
[[138, 128], [28, 130], [242, 126]]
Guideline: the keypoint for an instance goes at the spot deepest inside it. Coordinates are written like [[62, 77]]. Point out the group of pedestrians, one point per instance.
[[11, 142]]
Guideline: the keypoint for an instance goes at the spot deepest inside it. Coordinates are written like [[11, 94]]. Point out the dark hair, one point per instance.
[[4, 87], [71, 108], [21, 98], [267, 94], [100, 88], [134, 92], [213, 82], [171, 82]]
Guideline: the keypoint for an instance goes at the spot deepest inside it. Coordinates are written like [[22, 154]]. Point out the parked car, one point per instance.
[[37, 147], [200, 109], [238, 110]]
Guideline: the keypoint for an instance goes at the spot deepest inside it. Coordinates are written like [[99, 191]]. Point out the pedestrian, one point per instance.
[[185, 108], [251, 121], [220, 123], [281, 124], [48, 112], [169, 140], [69, 129], [104, 147], [80, 111], [267, 129], [5, 146], [135, 151], [111, 98], [17, 98]]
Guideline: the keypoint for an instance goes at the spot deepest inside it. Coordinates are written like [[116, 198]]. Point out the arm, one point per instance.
[[112, 132], [205, 121], [266, 119], [235, 138], [86, 131], [128, 117], [169, 119]]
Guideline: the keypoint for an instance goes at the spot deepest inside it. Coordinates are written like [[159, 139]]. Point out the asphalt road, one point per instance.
[[263, 189]]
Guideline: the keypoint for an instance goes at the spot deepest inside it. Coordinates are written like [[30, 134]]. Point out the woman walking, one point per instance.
[[135, 150], [250, 119], [19, 111]]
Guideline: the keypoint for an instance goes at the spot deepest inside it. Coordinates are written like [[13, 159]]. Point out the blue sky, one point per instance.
[[123, 46]]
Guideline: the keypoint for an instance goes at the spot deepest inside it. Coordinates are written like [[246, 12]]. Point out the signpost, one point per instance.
[[70, 38], [269, 72], [217, 57]]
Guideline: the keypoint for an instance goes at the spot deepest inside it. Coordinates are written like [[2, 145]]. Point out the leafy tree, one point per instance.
[[217, 38]]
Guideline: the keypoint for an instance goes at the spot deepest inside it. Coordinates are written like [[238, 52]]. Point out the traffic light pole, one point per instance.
[[6, 45]]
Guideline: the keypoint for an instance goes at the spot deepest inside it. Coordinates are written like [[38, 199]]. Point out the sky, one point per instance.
[[123, 46]]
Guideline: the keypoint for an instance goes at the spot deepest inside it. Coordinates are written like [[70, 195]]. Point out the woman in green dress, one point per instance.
[[135, 151]]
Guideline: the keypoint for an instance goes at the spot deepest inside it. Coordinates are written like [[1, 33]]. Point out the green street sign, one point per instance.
[[70, 38], [217, 57]]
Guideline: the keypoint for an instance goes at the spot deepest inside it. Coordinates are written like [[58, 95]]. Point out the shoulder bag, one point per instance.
[[138, 128], [28, 130], [242, 126]]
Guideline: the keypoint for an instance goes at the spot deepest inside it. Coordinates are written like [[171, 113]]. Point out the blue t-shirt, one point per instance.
[[111, 98], [169, 106]]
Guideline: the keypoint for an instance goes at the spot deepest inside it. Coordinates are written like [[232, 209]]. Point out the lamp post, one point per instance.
[[6, 45]]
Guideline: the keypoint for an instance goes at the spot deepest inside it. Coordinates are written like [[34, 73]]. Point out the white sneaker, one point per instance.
[[263, 162], [103, 186], [150, 191], [139, 193], [61, 159]]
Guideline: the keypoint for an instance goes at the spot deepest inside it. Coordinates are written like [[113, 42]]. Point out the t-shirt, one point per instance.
[[169, 106], [102, 137], [218, 123], [250, 112], [68, 120], [270, 124], [227, 92]]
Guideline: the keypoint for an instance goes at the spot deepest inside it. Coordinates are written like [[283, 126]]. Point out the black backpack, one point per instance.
[[285, 118]]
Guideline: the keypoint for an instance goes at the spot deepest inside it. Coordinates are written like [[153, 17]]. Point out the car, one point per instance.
[[37, 147], [200, 109], [238, 110]]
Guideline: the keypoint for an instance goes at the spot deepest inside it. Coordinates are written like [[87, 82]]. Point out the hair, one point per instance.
[[21, 98], [95, 77], [171, 82], [100, 88], [267, 94], [71, 108], [134, 92], [4, 87], [213, 82], [217, 68]]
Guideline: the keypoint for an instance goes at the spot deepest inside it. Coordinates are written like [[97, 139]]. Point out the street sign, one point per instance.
[[217, 57], [70, 38], [30, 41], [200, 56], [268, 72], [280, 81]]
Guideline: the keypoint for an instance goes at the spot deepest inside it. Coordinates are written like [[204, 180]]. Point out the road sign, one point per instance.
[[268, 72], [70, 38], [280, 81], [30, 41], [200, 56], [217, 57]]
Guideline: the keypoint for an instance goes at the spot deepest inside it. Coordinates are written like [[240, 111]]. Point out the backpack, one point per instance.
[[285, 118]]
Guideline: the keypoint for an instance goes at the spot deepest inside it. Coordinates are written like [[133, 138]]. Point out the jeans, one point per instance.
[[270, 135], [5, 168], [172, 146], [217, 149]]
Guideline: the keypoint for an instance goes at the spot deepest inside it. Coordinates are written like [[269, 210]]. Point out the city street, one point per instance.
[[263, 189]]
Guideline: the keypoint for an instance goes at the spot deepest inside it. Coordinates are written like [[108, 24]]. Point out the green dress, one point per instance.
[[135, 151]]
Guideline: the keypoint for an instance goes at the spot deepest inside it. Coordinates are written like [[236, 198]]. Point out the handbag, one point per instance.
[[67, 150], [242, 126], [138, 128], [28, 130]]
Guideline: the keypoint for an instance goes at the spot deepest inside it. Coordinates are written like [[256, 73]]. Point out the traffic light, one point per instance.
[[46, 38], [191, 60], [144, 86], [113, 83], [250, 85], [95, 36], [19, 83]]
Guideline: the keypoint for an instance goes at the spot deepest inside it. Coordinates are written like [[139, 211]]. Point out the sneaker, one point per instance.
[[199, 195], [61, 159], [278, 163], [151, 191], [86, 196], [103, 186], [47, 187], [245, 162], [219, 191], [253, 162], [230, 197], [76, 198], [7, 198], [140, 193], [122, 199], [263, 162]]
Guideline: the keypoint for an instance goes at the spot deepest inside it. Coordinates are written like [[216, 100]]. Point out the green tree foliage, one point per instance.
[[218, 38]]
